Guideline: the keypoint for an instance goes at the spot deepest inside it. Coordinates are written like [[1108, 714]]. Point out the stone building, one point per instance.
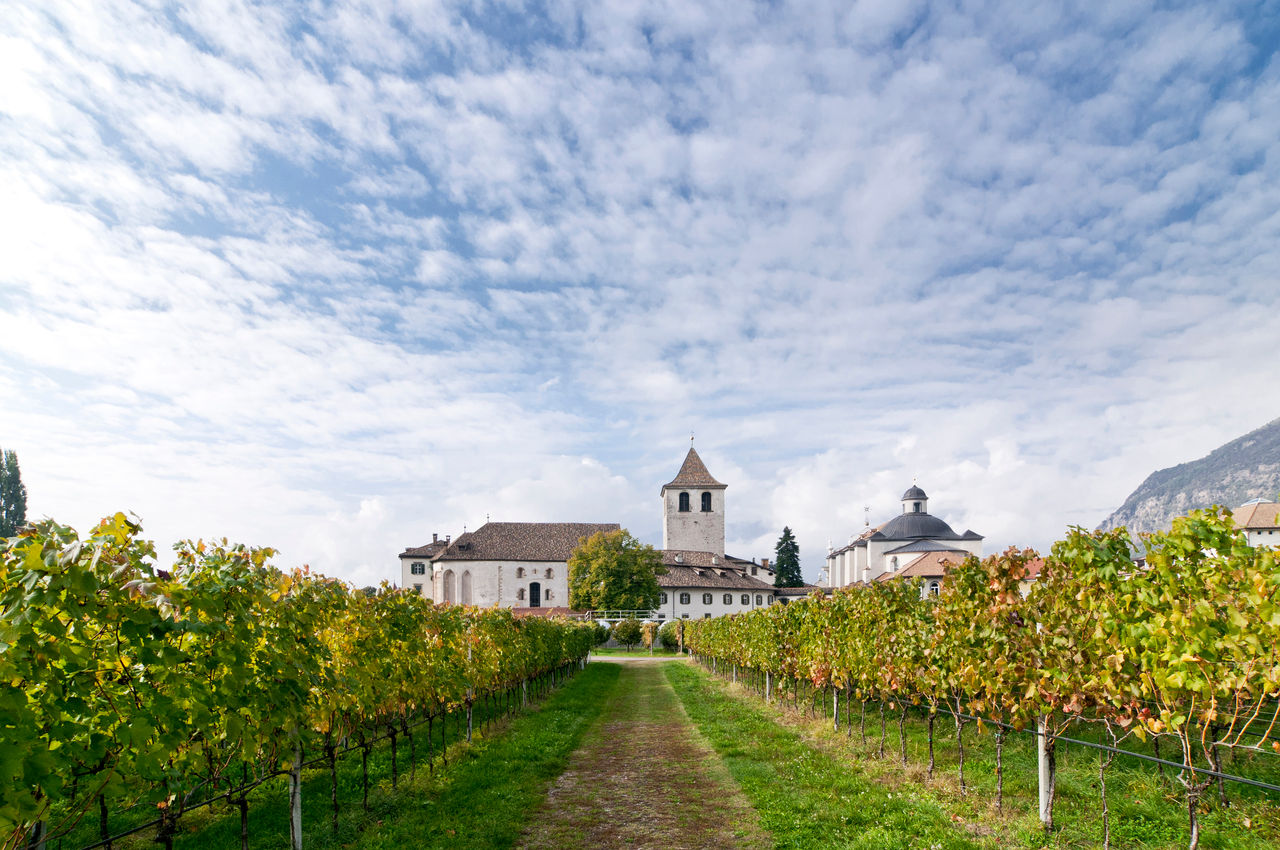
[[524, 564], [508, 564], [1259, 519], [914, 544]]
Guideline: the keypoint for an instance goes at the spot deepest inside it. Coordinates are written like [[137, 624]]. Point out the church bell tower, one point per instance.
[[693, 509]]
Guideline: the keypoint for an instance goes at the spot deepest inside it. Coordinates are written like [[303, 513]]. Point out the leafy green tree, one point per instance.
[[13, 495], [627, 632], [612, 571], [787, 566]]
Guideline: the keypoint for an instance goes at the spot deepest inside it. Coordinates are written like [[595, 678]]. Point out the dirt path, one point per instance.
[[644, 778]]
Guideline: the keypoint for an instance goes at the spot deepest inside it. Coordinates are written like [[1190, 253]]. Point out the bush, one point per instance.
[[648, 633], [627, 632], [669, 635], [602, 633]]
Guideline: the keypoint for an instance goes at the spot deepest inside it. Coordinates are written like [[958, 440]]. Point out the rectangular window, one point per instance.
[[418, 569], [664, 599], [706, 616], [759, 599], [706, 599], [684, 599], [746, 599], [418, 588], [728, 599]]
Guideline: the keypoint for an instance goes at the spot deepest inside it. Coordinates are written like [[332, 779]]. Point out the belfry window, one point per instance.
[[706, 503], [684, 501], [917, 504]]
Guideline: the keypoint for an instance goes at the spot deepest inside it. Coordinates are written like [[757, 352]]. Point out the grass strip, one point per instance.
[[806, 798]]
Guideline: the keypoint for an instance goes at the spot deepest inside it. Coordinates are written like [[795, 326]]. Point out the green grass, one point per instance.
[[806, 797], [1147, 811], [480, 800]]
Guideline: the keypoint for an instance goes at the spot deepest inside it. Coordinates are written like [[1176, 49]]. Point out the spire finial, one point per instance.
[[691, 439], [866, 515]]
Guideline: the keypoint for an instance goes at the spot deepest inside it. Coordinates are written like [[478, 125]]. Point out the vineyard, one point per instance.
[[1183, 653], [127, 685]]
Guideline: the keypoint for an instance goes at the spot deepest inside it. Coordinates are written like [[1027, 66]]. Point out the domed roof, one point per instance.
[[911, 525], [914, 493]]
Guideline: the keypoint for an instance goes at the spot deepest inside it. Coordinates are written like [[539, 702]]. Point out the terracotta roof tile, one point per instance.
[[928, 565], [713, 577], [1257, 515], [693, 473], [429, 551], [522, 541]]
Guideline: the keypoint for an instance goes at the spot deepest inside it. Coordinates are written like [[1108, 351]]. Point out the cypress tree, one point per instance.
[[787, 565], [13, 495]]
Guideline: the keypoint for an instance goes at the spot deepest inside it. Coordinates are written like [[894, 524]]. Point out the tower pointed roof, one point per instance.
[[693, 473]]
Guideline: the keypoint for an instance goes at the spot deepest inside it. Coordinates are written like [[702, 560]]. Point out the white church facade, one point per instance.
[[914, 544], [524, 564]]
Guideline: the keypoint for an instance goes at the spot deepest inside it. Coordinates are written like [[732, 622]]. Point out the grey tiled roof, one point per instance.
[[693, 473], [924, 546], [522, 541]]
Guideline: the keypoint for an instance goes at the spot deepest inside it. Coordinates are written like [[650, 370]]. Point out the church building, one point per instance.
[[914, 544], [524, 564], [701, 580]]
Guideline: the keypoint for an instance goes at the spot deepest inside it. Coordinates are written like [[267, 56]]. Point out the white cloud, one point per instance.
[[332, 284]]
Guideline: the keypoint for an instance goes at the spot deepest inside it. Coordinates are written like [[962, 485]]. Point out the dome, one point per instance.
[[913, 525], [914, 493]]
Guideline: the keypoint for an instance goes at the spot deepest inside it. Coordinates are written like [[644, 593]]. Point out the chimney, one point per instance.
[[764, 562], [435, 537]]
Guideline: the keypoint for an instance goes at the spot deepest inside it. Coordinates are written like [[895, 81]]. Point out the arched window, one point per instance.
[[520, 594], [450, 594], [728, 599], [519, 572], [706, 502], [684, 599], [535, 595], [746, 599], [893, 563], [684, 502], [549, 573], [664, 599], [935, 587], [706, 599], [548, 593], [466, 588]]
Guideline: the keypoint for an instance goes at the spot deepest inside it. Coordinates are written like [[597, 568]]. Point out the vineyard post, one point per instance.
[[835, 712], [295, 797], [1045, 772], [768, 685]]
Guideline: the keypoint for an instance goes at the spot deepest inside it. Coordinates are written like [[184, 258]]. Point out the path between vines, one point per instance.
[[644, 778]]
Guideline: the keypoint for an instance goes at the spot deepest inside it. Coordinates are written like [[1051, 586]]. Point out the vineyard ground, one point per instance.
[[1147, 812], [643, 778]]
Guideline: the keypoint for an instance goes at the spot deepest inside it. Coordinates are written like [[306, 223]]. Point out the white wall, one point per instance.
[[498, 582], [407, 579], [697, 609]]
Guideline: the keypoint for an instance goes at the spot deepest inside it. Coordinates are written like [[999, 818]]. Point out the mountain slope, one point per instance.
[[1243, 469]]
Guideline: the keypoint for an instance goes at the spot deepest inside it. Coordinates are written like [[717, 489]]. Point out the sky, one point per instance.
[[333, 276]]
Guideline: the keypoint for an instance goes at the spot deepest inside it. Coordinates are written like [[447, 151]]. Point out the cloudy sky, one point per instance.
[[331, 276]]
